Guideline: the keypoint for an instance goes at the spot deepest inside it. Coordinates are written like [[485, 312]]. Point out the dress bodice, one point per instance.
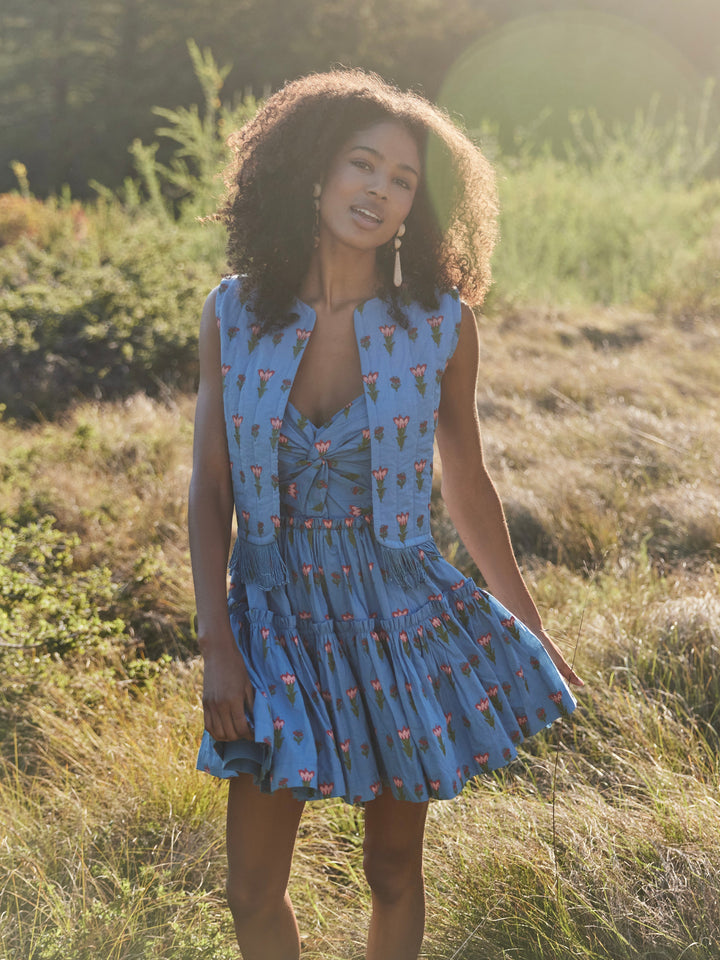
[[324, 470]]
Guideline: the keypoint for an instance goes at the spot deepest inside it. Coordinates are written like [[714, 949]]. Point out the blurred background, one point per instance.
[[78, 78]]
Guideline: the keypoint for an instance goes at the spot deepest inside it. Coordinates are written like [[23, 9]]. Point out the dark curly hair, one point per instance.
[[290, 144]]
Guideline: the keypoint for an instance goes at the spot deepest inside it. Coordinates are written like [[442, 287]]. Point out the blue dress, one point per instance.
[[362, 685]]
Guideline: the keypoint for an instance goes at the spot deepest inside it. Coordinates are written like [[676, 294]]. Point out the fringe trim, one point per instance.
[[404, 565], [258, 563]]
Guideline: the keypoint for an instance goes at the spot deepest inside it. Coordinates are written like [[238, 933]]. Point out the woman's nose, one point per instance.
[[378, 188]]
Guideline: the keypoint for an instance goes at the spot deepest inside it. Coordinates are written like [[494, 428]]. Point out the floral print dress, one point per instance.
[[363, 685]]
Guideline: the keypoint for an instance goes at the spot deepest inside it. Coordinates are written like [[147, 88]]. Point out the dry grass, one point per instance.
[[601, 429]]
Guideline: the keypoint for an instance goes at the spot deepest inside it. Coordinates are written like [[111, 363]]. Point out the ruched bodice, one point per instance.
[[323, 470]]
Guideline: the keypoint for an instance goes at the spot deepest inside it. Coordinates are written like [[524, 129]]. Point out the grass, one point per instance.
[[602, 433]]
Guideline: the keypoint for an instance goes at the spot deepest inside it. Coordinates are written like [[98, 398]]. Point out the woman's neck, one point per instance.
[[339, 277]]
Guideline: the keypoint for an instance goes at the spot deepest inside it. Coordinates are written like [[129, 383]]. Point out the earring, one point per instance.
[[317, 190], [397, 273]]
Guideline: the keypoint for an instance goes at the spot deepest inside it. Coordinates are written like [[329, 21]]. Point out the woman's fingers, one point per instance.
[[564, 668]]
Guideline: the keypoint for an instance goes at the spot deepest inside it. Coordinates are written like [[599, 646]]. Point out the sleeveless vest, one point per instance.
[[401, 373]]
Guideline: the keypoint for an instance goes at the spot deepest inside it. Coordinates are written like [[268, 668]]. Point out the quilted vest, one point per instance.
[[401, 373]]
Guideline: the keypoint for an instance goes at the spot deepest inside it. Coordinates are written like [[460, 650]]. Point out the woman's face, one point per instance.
[[370, 186]]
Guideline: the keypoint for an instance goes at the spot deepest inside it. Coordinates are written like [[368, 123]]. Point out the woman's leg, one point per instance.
[[261, 830], [393, 851]]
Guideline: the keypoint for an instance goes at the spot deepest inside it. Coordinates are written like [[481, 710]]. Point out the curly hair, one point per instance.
[[290, 144]]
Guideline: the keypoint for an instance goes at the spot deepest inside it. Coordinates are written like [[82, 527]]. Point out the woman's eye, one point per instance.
[[363, 164], [403, 183]]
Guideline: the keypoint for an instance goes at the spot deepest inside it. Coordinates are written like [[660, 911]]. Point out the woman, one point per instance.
[[350, 659]]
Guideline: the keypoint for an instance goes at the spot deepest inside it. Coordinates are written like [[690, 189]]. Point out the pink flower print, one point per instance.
[[403, 612], [405, 640], [371, 566], [366, 434], [301, 338], [412, 334], [322, 446], [435, 786], [481, 759], [308, 523], [401, 480], [540, 712], [423, 744], [375, 787], [346, 568], [437, 732], [439, 374], [347, 616], [507, 753], [401, 424], [484, 708], [306, 775], [422, 427], [326, 788], [264, 377], [379, 433], [534, 663], [365, 342], [419, 790], [511, 627], [404, 734], [435, 323], [370, 380], [246, 519], [256, 472], [419, 468], [278, 723], [237, 422], [399, 786], [402, 519], [419, 373], [556, 697], [355, 511], [330, 733], [289, 680], [292, 490], [388, 331], [327, 523], [352, 693], [275, 423], [446, 669], [522, 723], [395, 383], [330, 656], [484, 642], [275, 520], [379, 695], [379, 474], [345, 755], [225, 369]]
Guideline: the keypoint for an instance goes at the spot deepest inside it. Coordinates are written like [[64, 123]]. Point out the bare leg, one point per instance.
[[394, 831], [261, 830]]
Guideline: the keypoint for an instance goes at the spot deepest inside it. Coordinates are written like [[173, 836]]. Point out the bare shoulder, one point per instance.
[[464, 360]]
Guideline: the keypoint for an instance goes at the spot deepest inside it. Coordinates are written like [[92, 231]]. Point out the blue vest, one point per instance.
[[401, 373]]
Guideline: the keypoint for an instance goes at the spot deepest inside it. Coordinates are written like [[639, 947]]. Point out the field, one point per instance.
[[599, 401]]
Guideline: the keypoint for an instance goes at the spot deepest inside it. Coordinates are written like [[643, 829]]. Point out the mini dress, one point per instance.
[[363, 685]]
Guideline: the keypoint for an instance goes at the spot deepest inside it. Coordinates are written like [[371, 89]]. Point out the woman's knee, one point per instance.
[[391, 872], [250, 897]]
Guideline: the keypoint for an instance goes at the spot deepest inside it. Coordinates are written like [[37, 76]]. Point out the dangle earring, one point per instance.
[[397, 273], [317, 190]]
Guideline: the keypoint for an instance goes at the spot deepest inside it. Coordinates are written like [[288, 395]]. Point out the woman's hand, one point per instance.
[[228, 694], [564, 668]]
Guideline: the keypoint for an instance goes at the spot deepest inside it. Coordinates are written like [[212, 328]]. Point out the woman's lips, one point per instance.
[[366, 216]]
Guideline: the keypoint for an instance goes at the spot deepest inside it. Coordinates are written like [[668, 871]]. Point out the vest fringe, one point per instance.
[[258, 563], [404, 564]]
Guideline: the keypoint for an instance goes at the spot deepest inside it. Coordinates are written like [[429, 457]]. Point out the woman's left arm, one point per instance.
[[470, 495]]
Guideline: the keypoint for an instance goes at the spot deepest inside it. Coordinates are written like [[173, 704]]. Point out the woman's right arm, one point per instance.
[[227, 690]]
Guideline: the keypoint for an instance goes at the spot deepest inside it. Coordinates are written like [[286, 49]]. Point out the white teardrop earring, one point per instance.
[[317, 190], [397, 273]]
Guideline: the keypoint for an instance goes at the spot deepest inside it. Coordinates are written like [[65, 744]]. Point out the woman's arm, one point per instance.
[[226, 685], [470, 494]]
